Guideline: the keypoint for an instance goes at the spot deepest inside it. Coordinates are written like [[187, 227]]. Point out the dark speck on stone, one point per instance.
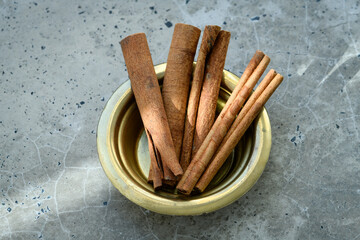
[[102, 99], [293, 139], [104, 203], [151, 8], [43, 47], [187, 1], [110, 12], [168, 24], [337, 126], [359, 56], [224, 23], [81, 12], [257, 18], [115, 26], [82, 102], [59, 163], [9, 209]]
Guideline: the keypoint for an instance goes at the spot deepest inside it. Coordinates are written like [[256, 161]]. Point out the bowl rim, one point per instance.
[[186, 206]]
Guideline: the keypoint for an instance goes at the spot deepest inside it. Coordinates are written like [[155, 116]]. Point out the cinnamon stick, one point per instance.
[[177, 79], [210, 90], [238, 129], [145, 86], [222, 124], [155, 173], [207, 43]]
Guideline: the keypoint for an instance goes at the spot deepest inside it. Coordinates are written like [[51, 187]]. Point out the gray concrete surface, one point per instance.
[[60, 62]]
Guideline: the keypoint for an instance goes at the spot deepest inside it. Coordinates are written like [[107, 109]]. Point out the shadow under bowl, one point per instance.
[[123, 153]]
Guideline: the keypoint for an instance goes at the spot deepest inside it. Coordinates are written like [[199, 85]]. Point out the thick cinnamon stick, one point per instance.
[[210, 90], [177, 79], [207, 43], [222, 125], [238, 129], [145, 86]]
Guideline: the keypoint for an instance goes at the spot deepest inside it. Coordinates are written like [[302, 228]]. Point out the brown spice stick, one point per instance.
[[145, 86], [210, 90], [236, 132], [207, 43], [219, 129], [155, 173], [177, 79], [169, 178]]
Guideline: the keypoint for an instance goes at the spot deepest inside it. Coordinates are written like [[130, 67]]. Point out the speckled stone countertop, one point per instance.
[[61, 61]]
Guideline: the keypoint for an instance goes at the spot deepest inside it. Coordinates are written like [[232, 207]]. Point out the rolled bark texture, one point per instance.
[[145, 87], [207, 43]]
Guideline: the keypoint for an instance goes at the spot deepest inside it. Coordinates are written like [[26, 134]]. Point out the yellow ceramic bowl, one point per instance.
[[123, 153]]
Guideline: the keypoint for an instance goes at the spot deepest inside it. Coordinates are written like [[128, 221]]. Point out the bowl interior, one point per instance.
[[133, 151]]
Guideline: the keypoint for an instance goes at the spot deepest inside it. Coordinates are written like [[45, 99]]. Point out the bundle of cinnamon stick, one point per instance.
[[187, 145]]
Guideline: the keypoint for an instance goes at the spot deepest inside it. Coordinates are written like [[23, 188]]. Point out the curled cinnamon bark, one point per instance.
[[207, 43], [210, 90], [155, 174], [145, 86], [177, 79]]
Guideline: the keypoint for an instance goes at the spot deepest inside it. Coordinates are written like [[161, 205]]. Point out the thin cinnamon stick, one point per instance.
[[221, 126], [207, 43], [145, 86], [155, 173], [238, 129], [169, 178], [177, 79], [210, 90]]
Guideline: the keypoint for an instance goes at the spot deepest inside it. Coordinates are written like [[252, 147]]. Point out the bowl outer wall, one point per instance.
[[186, 205]]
